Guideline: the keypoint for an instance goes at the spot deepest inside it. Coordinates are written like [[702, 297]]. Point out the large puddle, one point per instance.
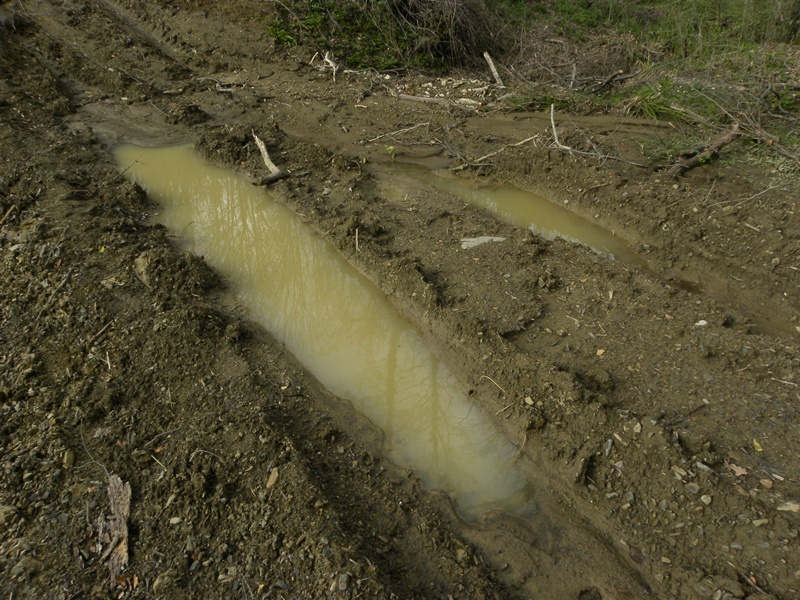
[[526, 209], [336, 323]]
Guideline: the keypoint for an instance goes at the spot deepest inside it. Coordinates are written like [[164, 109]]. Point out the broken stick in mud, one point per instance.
[[493, 68], [274, 172]]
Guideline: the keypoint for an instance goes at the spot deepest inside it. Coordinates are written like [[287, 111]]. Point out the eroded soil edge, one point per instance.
[[660, 423]]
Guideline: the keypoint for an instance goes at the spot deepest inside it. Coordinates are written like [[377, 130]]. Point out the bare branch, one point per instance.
[[274, 172]]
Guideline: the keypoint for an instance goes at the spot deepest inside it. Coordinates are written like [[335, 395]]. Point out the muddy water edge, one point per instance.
[[663, 421], [336, 323], [342, 330]]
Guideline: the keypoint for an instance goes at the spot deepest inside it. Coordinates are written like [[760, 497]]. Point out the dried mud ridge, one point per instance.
[[155, 443]]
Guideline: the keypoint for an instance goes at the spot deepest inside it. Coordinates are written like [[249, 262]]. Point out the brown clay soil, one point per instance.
[[656, 410]]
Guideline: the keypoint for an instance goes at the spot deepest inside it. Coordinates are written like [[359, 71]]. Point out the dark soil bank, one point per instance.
[[155, 442]]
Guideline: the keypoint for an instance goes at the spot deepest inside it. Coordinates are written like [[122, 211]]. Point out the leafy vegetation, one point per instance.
[[388, 34], [702, 63], [408, 33]]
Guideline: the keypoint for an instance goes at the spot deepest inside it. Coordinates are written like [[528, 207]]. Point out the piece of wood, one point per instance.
[[707, 153], [274, 172], [494, 70], [119, 498]]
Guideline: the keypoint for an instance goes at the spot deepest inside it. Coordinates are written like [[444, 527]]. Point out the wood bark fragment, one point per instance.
[[707, 153], [119, 497]]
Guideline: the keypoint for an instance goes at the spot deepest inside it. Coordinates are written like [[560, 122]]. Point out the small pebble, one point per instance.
[[344, 581]]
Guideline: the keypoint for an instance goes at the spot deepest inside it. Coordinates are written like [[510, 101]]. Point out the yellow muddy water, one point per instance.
[[336, 323], [526, 209]]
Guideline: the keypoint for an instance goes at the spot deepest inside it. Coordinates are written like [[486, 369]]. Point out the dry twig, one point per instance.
[[398, 132], [479, 162], [493, 69], [274, 172]]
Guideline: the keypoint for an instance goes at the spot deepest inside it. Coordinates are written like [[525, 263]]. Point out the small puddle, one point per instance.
[[550, 220], [526, 209], [337, 324]]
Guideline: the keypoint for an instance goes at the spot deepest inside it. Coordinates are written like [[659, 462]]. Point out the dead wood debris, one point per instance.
[[493, 68], [706, 153], [119, 498], [274, 172]]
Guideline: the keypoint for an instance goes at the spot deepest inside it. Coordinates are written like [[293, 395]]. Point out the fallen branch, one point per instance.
[[707, 153], [274, 172], [596, 154], [559, 145], [478, 162], [493, 69], [757, 133], [607, 81], [327, 62], [398, 132]]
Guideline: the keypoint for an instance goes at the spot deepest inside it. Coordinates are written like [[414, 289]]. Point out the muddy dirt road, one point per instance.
[[655, 409]]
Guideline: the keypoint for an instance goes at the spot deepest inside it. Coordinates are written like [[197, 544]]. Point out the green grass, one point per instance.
[[698, 29], [701, 64], [360, 34], [387, 34]]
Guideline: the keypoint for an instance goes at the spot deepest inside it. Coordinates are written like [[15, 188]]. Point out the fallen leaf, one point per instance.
[[757, 446], [767, 483], [600, 352]]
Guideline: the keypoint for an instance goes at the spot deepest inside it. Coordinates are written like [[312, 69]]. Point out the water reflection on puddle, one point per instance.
[[336, 323], [526, 209]]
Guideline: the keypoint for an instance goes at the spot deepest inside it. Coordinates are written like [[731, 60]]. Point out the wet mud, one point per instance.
[[654, 411]]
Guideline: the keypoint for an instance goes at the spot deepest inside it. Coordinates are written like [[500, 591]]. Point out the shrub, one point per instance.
[[387, 34]]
